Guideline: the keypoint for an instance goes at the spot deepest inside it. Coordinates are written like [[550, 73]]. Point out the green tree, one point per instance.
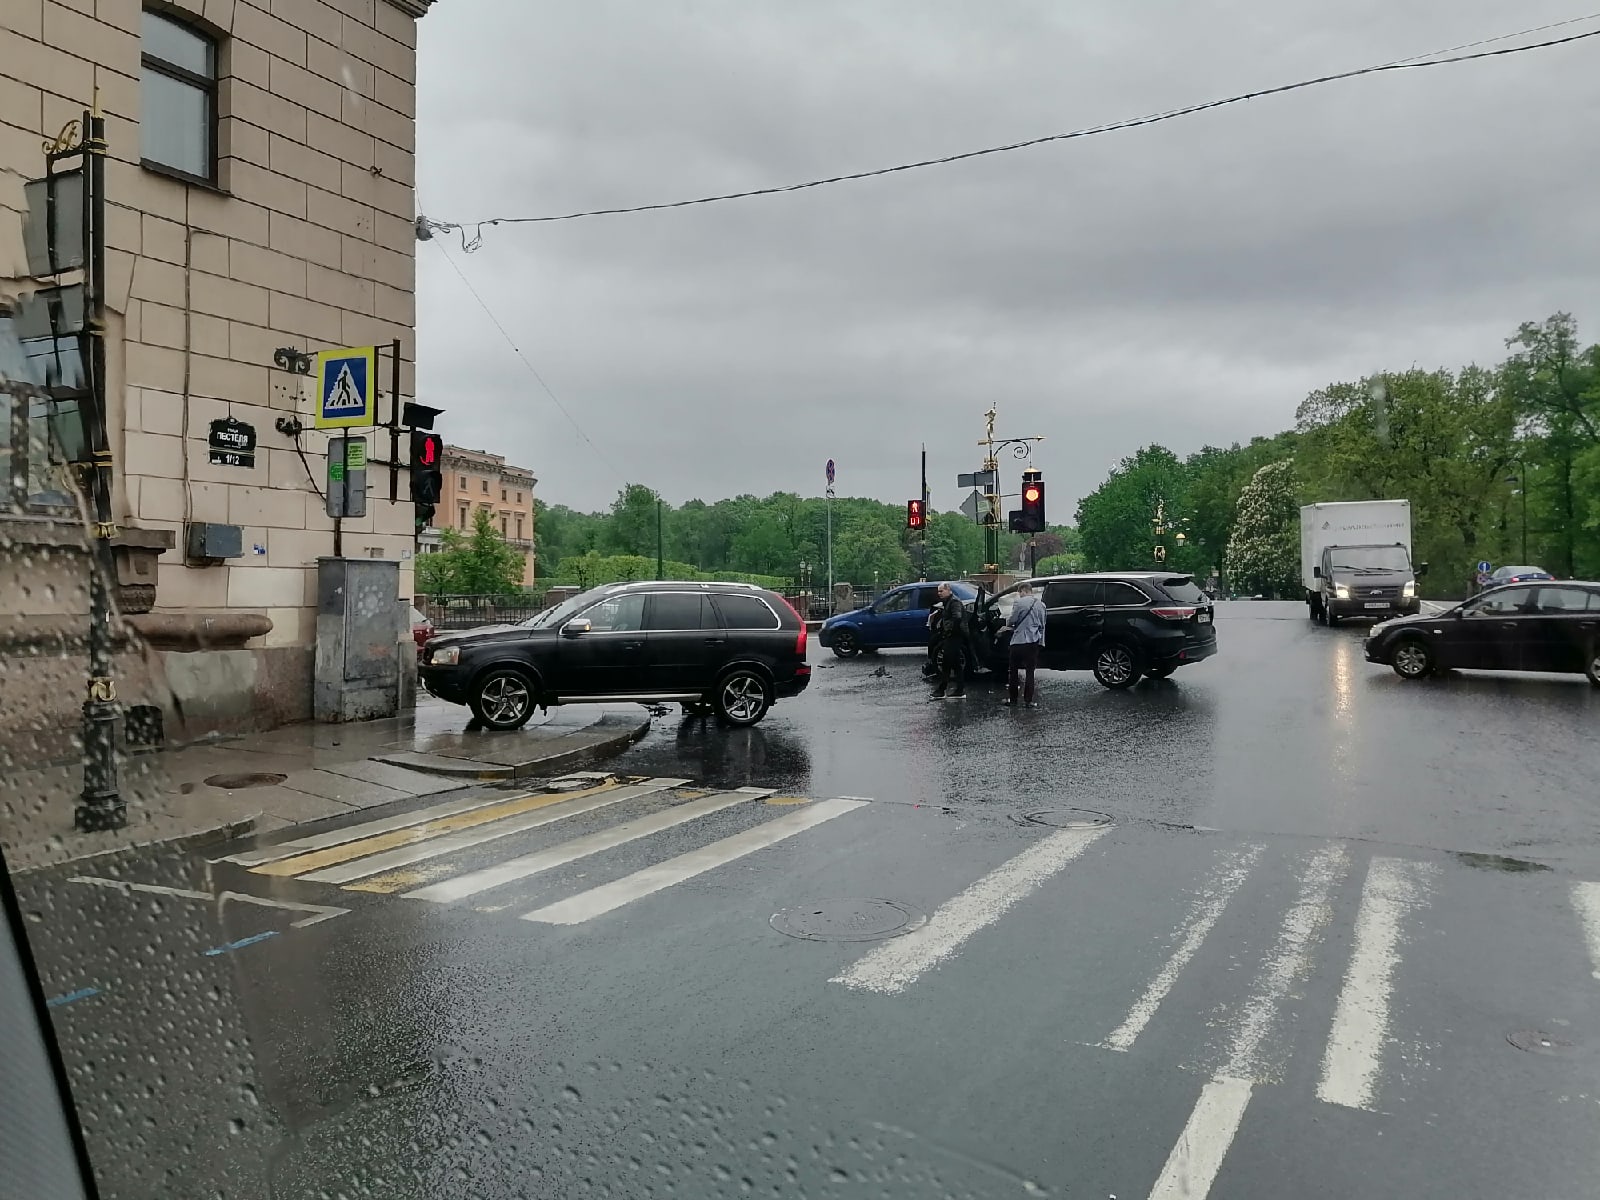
[[1116, 520], [1263, 554], [632, 528], [479, 564]]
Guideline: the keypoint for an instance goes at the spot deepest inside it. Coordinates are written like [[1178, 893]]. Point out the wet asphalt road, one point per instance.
[[1294, 962]]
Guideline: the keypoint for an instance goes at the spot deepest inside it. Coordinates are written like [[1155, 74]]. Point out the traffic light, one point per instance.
[[427, 474], [1032, 503], [914, 514]]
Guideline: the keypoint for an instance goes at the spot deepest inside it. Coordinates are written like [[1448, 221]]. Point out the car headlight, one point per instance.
[[445, 656], [1341, 591], [1410, 589]]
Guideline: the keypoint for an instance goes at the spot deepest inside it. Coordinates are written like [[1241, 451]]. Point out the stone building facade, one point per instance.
[[477, 480], [260, 177]]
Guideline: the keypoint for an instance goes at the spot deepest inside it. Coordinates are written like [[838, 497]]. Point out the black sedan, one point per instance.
[[1540, 627]]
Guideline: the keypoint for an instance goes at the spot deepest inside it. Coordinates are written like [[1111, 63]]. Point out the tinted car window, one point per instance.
[[745, 612], [895, 602], [1072, 593], [680, 610], [1565, 600], [1114, 593], [1183, 589], [619, 614], [1512, 600], [927, 597]]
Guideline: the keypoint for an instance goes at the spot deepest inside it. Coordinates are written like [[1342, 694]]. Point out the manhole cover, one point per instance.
[[849, 920], [1068, 818], [1537, 1041], [248, 780]]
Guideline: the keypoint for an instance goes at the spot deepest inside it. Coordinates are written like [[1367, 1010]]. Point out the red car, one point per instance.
[[421, 628]]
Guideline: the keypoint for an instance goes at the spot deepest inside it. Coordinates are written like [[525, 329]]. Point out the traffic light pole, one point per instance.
[[1021, 447], [922, 564]]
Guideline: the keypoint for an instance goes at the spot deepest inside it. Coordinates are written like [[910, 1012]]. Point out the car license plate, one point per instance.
[[1377, 604], [1204, 618]]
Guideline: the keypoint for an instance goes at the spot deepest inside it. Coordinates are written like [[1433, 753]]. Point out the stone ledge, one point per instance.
[[200, 631]]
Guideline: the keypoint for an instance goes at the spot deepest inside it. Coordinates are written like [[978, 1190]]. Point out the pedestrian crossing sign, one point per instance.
[[345, 387]]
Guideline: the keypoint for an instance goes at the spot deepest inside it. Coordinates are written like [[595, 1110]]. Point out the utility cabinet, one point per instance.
[[356, 676]]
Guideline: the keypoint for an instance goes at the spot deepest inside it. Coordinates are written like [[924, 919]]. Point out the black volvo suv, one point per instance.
[[1120, 625], [727, 648]]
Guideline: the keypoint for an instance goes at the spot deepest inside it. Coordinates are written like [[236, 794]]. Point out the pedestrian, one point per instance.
[[1026, 624], [950, 644]]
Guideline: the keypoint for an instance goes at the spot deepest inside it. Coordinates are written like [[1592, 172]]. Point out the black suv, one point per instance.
[[727, 648], [1120, 625]]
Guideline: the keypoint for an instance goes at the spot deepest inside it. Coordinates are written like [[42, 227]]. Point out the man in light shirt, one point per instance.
[[1026, 625]]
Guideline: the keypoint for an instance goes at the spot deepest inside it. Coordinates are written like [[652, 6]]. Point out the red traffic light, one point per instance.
[[428, 450], [914, 514], [1031, 494]]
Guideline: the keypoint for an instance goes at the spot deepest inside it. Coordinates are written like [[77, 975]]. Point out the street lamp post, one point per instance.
[[1521, 481]]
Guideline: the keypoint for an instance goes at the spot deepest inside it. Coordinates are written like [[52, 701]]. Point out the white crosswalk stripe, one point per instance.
[[598, 901], [529, 865]]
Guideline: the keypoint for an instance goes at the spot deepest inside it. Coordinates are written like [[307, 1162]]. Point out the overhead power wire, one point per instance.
[[427, 226], [532, 370]]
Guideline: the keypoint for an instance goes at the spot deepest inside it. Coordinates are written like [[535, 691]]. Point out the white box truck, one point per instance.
[[1355, 560]]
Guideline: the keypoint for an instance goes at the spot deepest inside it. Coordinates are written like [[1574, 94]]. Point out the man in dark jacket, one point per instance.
[[950, 644]]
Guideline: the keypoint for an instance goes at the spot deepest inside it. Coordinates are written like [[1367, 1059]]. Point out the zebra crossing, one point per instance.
[[1271, 921], [418, 855]]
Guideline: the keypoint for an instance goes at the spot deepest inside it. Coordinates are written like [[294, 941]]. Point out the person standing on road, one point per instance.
[[950, 644], [1026, 624]]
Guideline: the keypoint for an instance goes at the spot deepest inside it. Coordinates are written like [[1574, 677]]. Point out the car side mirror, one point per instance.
[[1316, 572], [576, 627], [1422, 569]]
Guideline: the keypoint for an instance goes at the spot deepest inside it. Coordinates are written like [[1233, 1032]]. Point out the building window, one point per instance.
[[505, 525], [461, 481], [519, 528], [178, 94], [504, 495], [519, 497], [485, 483], [465, 514]]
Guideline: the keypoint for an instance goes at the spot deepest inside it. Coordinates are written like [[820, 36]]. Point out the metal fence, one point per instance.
[[468, 612]]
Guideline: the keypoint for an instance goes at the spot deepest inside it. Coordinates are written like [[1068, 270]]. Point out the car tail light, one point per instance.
[[1178, 612], [800, 641]]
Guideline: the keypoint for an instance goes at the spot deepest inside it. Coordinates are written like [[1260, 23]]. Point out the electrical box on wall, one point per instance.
[[209, 541]]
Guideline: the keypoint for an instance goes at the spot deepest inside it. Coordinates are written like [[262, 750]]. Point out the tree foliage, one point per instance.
[[476, 564], [1469, 448], [1263, 555]]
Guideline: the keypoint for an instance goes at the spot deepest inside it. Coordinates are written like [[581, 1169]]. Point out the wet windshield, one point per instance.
[[1371, 559], [682, 335]]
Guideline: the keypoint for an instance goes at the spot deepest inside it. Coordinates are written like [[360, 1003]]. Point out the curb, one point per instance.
[[194, 839], [488, 772]]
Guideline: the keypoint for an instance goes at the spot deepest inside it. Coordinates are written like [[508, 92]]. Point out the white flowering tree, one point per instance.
[[1263, 554]]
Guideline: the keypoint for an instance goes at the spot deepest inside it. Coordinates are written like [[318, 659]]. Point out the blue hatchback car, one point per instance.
[[899, 617]]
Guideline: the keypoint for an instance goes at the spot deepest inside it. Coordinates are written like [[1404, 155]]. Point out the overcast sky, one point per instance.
[[1185, 283]]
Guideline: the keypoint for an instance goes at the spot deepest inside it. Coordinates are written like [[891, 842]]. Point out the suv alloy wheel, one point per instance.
[[742, 697], [503, 698], [1115, 665]]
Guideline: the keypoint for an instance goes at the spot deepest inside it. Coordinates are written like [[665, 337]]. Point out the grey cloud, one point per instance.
[[1185, 283]]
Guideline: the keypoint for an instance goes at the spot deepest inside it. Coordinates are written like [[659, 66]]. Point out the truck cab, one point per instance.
[[1376, 581]]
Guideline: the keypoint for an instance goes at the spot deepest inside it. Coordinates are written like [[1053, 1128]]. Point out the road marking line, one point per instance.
[[1361, 1021], [1197, 1156], [1208, 904], [894, 966], [82, 993], [420, 850], [601, 900], [240, 944], [353, 833], [508, 807], [1586, 899], [1198, 1153], [320, 912], [539, 861]]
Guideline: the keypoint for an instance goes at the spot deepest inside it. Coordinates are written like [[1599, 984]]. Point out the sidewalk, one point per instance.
[[261, 782]]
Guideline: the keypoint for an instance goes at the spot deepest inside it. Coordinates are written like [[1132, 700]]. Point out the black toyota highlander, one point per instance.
[[724, 648]]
